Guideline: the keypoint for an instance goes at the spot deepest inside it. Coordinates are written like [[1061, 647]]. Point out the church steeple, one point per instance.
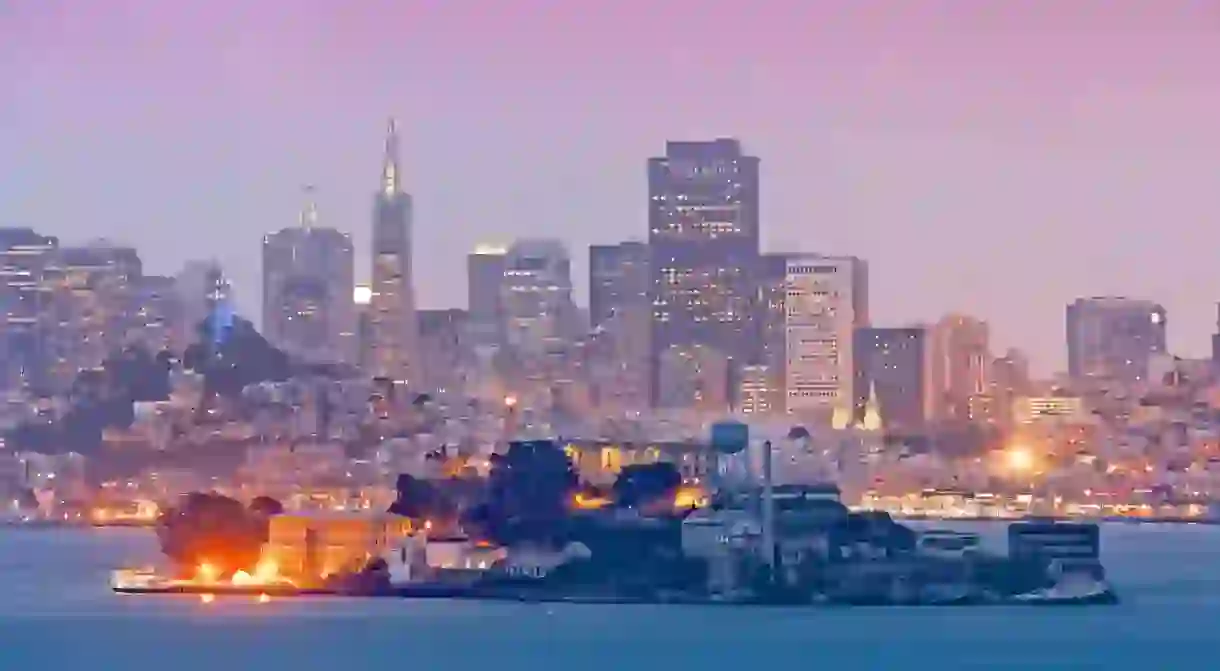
[[391, 180], [872, 410], [309, 211]]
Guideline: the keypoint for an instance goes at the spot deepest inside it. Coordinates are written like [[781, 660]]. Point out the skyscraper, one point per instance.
[[308, 282], [620, 316], [961, 368], [27, 259], [97, 302], [826, 301], [893, 364], [1114, 338], [393, 325], [618, 279], [484, 280], [536, 294], [703, 218]]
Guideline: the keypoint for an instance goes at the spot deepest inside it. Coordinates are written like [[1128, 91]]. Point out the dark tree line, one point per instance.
[[527, 495]]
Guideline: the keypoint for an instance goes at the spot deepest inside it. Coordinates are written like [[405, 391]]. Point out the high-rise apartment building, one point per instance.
[[961, 369], [157, 316], [620, 316], [703, 238], [770, 323], [1114, 338], [27, 260], [1010, 380], [536, 297], [394, 329], [484, 280], [443, 346], [618, 280], [893, 365], [308, 281], [694, 378], [826, 300], [96, 300]]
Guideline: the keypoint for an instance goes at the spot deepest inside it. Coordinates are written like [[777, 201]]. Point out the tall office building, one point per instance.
[[191, 285], [618, 280], [1114, 338], [892, 365], [97, 301], [484, 281], [703, 218], [157, 317], [826, 301], [27, 260], [443, 346], [771, 327], [361, 297], [394, 329], [1010, 380], [308, 281], [961, 369], [536, 297], [620, 315]]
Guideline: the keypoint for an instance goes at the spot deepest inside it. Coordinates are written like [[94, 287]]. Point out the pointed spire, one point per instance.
[[872, 409], [309, 212], [390, 178]]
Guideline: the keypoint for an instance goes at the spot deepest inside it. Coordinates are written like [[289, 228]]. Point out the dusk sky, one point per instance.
[[995, 158]]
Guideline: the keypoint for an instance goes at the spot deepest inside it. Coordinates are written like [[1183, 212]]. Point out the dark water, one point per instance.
[[57, 613]]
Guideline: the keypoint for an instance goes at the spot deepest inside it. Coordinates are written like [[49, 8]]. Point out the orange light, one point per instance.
[[263, 598], [266, 571], [584, 502], [689, 497], [207, 598], [207, 573]]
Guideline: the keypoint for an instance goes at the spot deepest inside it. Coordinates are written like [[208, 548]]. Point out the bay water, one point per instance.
[[56, 612]]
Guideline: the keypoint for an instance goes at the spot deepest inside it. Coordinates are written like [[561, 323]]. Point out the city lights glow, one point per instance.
[[1019, 459]]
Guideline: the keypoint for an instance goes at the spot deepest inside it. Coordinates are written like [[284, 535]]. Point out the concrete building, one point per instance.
[[1114, 338], [894, 363], [960, 367], [694, 378], [619, 315], [309, 279], [826, 301], [27, 262], [703, 218], [536, 297], [95, 303], [484, 280], [443, 344], [157, 319]]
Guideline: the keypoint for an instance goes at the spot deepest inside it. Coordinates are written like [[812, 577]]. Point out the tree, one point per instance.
[[209, 528], [640, 484], [417, 499], [265, 506], [528, 493]]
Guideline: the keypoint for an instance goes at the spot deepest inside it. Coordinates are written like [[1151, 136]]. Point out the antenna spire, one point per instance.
[[309, 213], [390, 174]]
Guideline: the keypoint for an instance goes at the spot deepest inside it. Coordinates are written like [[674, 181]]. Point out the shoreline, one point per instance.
[[427, 591]]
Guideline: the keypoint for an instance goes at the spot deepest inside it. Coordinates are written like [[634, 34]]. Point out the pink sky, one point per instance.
[[993, 158]]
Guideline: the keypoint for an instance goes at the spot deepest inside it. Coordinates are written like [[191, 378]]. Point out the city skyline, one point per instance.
[[1086, 143]]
